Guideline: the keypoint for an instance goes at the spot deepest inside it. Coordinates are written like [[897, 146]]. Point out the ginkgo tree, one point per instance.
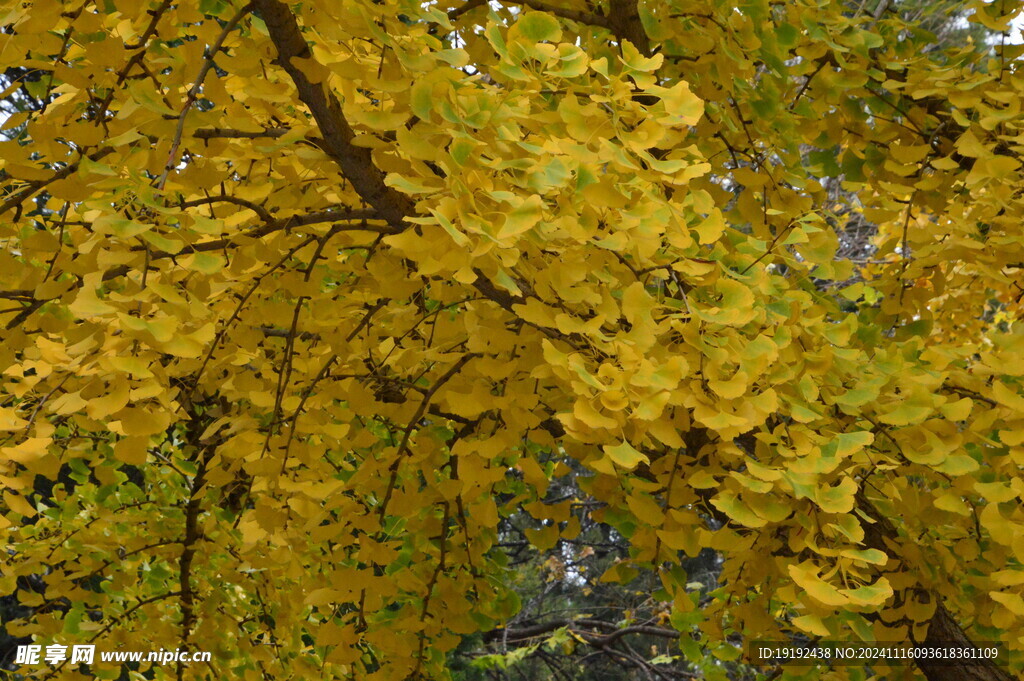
[[301, 299]]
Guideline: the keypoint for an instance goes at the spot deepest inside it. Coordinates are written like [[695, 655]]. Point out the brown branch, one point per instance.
[[44, 400], [333, 216], [442, 562], [150, 31], [136, 59], [468, 7], [287, 223], [188, 552], [503, 298], [355, 162], [806, 84], [121, 556], [32, 187], [276, 226], [460, 506], [232, 133], [344, 214], [274, 332], [624, 21], [540, 6], [565, 13], [23, 294], [324, 370], [407, 432], [193, 92], [266, 133], [193, 507], [126, 614], [965, 392], [225, 198], [284, 376], [24, 314], [238, 309], [584, 628]]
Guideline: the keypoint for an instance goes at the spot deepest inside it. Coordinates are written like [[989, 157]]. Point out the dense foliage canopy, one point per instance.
[[304, 302]]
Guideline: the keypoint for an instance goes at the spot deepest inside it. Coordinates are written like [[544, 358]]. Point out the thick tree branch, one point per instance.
[[624, 21], [540, 6], [564, 12], [503, 298], [266, 133], [466, 8], [355, 162]]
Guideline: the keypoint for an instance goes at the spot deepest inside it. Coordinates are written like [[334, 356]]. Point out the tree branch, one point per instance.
[[259, 232], [584, 628], [565, 13], [540, 6], [468, 7], [624, 21], [233, 133], [943, 630], [193, 92], [225, 198], [32, 187], [355, 162], [403, 448], [266, 133]]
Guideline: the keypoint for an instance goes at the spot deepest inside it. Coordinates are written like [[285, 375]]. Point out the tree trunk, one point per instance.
[[944, 632], [943, 629]]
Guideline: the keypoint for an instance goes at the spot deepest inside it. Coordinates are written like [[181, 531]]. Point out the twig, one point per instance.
[[193, 93], [407, 432]]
